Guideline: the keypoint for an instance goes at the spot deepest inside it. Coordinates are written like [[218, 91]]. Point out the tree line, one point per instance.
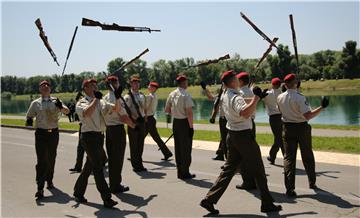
[[327, 64]]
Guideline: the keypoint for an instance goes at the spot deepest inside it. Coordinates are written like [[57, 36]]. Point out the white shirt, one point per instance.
[[151, 104], [292, 106], [178, 101], [270, 101], [246, 92], [233, 104], [140, 100], [113, 118]]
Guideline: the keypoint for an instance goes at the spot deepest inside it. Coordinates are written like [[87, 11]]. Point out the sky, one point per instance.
[[202, 30]]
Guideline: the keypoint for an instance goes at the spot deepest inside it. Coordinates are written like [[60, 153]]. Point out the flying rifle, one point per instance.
[[45, 40], [267, 52], [214, 61], [294, 42], [127, 109], [130, 62], [261, 33], [114, 26], [69, 51]]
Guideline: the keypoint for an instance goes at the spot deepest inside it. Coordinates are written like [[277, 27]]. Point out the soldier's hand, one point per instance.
[[29, 122], [257, 91], [203, 85], [191, 132], [264, 93], [283, 88], [325, 101], [58, 103], [212, 120], [98, 95], [78, 96], [118, 92]]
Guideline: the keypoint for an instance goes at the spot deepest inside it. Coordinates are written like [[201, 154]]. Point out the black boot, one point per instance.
[[209, 206]]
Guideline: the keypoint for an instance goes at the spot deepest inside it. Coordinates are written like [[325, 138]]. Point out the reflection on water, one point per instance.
[[343, 110]]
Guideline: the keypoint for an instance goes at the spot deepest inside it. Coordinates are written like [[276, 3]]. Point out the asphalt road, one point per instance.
[[158, 193]]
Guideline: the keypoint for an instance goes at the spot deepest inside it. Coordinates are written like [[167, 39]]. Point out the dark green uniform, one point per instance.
[[296, 131]]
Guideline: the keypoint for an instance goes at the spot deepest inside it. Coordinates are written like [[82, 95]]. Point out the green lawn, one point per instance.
[[338, 144]]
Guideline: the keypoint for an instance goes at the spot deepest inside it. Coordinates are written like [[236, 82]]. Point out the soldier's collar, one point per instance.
[[232, 90], [46, 98], [292, 90]]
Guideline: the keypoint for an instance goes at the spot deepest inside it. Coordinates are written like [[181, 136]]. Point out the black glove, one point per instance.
[[98, 94], [264, 93], [58, 103], [212, 120], [298, 84], [191, 132], [257, 91], [78, 96], [140, 120], [118, 92], [168, 118], [29, 121], [283, 88], [203, 85], [324, 101]]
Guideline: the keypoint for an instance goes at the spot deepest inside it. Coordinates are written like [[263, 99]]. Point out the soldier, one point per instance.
[[296, 112], [274, 118], [79, 149], [221, 152], [116, 139], [46, 110], [247, 94], [135, 100], [91, 110], [179, 104], [150, 121], [243, 149]]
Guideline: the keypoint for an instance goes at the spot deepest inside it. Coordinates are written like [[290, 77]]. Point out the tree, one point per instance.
[[350, 60]]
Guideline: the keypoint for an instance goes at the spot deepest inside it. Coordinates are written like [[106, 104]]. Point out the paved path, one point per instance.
[[259, 129], [158, 193]]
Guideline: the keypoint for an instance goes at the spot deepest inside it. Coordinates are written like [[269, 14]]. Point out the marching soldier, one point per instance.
[[46, 110], [247, 94], [116, 139], [296, 112], [135, 100], [243, 149], [179, 104], [79, 149], [221, 152], [150, 121], [91, 110], [274, 118]]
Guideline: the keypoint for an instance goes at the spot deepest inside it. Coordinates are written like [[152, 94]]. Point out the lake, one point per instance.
[[343, 110]]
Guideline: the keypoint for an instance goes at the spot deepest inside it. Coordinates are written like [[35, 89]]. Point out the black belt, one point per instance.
[[180, 119], [47, 130], [119, 125], [239, 131], [295, 124], [275, 115]]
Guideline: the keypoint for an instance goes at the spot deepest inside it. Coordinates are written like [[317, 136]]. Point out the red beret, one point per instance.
[[155, 84], [134, 78], [87, 81], [112, 78], [276, 81], [242, 75], [227, 74], [290, 77], [180, 78], [44, 82]]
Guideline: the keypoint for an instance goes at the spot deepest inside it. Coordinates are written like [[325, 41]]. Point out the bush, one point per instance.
[[6, 95]]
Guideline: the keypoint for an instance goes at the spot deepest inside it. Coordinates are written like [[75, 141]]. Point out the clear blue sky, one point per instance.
[[199, 30]]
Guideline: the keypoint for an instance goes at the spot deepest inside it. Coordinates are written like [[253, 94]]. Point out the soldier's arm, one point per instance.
[[168, 105], [126, 119], [65, 109], [250, 108], [31, 113], [306, 110], [89, 110], [189, 114], [311, 114], [209, 96]]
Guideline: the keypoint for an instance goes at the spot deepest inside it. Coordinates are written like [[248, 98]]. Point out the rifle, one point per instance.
[[130, 62], [127, 109], [213, 61], [294, 42], [216, 105], [266, 53], [71, 45], [114, 26], [261, 33], [45, 40]]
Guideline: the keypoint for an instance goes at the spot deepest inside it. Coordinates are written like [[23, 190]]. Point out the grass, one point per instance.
[[308, 88], [336, 144]]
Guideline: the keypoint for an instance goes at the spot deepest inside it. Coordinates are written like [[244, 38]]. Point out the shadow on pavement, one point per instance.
[[278, 197], [136, 201], [151, 175], [329, 198], [303, 172], [57, 196], [274, 214], [202, 183], [161, 164]]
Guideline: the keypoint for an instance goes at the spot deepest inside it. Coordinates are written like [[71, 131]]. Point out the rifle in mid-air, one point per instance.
[[213, 61], [70, 48], [114, 26], [116, 72], [45, 40], [261, 33], [294, 42], [267, 52]]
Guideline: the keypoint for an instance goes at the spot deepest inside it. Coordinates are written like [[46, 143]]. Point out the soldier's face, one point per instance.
[[152, 89], [135, 85], [45, 90], [90, 88]]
